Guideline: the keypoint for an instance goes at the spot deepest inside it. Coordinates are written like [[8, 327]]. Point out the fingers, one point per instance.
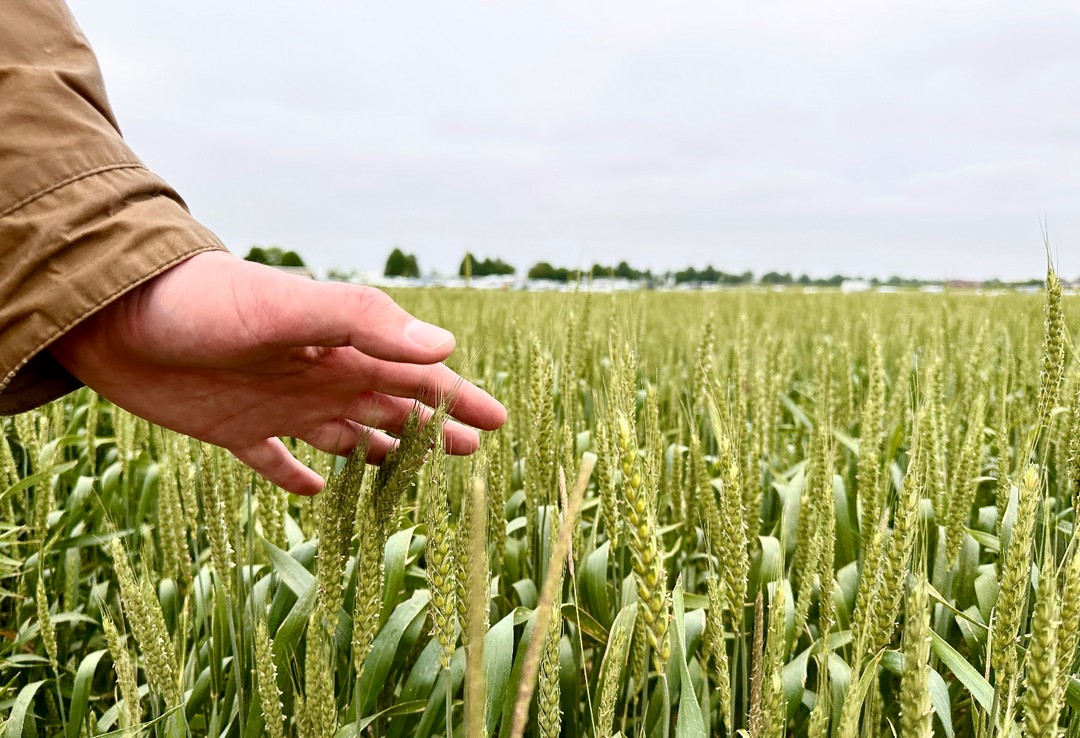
[[347, 376], [301, 312], [273, 461], [433, 385], [464, 400], [377, 410], [341, 436], [404, 347]]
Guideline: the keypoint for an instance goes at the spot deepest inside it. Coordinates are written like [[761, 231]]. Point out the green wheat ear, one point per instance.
[[131, 714], [269, 694], [143, 611], [440, 553], [916, 715], [1043, 697], [1014, 569]]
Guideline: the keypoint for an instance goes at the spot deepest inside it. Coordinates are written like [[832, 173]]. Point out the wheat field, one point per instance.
[[753, 513]]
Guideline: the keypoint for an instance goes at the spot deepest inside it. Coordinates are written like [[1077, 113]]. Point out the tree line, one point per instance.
[[402, 264]]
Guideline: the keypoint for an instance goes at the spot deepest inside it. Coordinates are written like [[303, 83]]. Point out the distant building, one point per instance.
[[850, 286]]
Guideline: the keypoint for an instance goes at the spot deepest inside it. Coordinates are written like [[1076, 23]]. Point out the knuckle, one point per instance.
[[369, 299]]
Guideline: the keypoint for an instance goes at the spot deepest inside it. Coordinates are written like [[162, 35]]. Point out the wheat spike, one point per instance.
[[269, 694], [1044, 683], [1013, 574], [916, 718]]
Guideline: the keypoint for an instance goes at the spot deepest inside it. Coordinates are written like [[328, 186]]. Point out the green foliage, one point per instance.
[[291, 259], [543, 270], [473, 267], [620, 271], [708, 275], [400, 264], [776, 278], [274, 256], [147, 580]]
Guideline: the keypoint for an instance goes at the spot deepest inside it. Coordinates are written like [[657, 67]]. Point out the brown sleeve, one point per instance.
[[81, 219]]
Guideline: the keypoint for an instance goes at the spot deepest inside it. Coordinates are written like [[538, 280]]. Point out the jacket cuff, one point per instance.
[[71, 251]]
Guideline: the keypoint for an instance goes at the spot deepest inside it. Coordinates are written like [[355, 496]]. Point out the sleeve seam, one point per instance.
[[23, 202]]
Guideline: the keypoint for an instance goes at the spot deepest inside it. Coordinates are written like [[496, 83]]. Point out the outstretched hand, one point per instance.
[[238, 354]]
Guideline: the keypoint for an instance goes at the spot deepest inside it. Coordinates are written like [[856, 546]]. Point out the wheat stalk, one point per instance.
[[46, 628], [964, 483], [1014, 572], [1044, 683], [772, 698], [215, 517], [143, 611], [441, 545], [872, 429], [476, 611], [269, 694], [916, 717], [609, 687], [548, 594], [131, 714], [648, 568]]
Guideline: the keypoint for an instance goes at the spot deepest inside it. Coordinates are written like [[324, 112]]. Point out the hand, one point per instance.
[[236, 354]]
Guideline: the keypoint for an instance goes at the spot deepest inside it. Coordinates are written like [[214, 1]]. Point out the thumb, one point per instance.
[[335, 314]]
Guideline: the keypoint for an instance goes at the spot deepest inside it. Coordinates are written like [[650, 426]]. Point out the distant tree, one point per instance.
[[274, 256], [483, 267], [400, 264], [709, 275], [776, 278], [542, 270], [257, 254], [495, 267], [693, 275], [291, 259], [621, 271]]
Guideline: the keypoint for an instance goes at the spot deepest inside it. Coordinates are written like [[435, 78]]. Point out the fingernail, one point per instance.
[[427, 335]]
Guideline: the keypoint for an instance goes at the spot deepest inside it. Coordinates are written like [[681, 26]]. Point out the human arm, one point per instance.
[[82, 220], [105, 279]]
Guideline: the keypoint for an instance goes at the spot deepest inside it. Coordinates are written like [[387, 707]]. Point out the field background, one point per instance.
[[802, 514]]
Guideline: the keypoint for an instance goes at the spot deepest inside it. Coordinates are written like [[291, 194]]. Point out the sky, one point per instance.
[[925, 138]]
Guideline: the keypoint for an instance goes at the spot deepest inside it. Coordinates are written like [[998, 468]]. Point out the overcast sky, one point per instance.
[[919, 138]]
